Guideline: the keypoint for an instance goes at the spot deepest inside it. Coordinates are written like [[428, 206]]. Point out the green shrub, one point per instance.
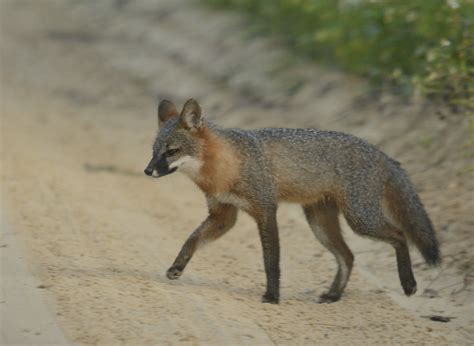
[[424, 45]]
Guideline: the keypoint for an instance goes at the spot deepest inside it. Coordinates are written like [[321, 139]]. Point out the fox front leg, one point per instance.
[[221, 219], [268, 230]]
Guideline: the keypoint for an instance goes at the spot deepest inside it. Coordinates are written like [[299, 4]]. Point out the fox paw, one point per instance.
[[174, 273], [270, 298], [409, 288], [328, 298]]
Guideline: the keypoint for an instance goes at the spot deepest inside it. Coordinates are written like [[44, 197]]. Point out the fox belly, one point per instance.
[[233, 199]]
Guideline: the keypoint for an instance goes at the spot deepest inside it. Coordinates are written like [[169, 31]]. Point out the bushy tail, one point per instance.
[[410, 213]]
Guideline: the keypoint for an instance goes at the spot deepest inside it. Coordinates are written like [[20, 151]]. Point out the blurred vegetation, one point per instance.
[[422, 46]]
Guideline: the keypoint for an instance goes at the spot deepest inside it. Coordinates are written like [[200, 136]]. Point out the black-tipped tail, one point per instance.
[[419, 229], [429, 249], [413, 218]]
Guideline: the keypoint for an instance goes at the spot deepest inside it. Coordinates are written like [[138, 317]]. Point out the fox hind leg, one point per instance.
[[323, 220], [368, 220]]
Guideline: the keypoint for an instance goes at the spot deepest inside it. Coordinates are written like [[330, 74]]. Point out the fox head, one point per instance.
[[177, 146]]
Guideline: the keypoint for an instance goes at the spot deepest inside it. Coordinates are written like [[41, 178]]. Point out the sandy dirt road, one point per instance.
[[79, 82]]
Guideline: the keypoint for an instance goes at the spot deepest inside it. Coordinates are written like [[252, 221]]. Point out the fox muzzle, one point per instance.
[[160, 166], [149, 170]]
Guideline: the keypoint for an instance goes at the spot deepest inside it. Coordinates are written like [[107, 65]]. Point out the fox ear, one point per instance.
[[166, 110], [191, 115]]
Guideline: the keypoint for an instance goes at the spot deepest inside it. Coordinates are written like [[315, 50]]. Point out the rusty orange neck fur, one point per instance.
[[221, 163]]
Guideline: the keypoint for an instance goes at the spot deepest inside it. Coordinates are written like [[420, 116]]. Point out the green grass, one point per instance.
[[415, 45]]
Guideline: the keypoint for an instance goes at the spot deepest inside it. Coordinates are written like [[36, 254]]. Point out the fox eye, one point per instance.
[[171, 152]]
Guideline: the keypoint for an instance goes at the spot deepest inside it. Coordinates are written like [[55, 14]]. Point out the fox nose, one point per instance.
[[149, 171]]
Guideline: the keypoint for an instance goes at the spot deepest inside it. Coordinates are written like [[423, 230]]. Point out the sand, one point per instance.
[[79, 84]]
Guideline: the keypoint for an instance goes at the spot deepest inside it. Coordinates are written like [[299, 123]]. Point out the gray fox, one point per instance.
[[325, 172]]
